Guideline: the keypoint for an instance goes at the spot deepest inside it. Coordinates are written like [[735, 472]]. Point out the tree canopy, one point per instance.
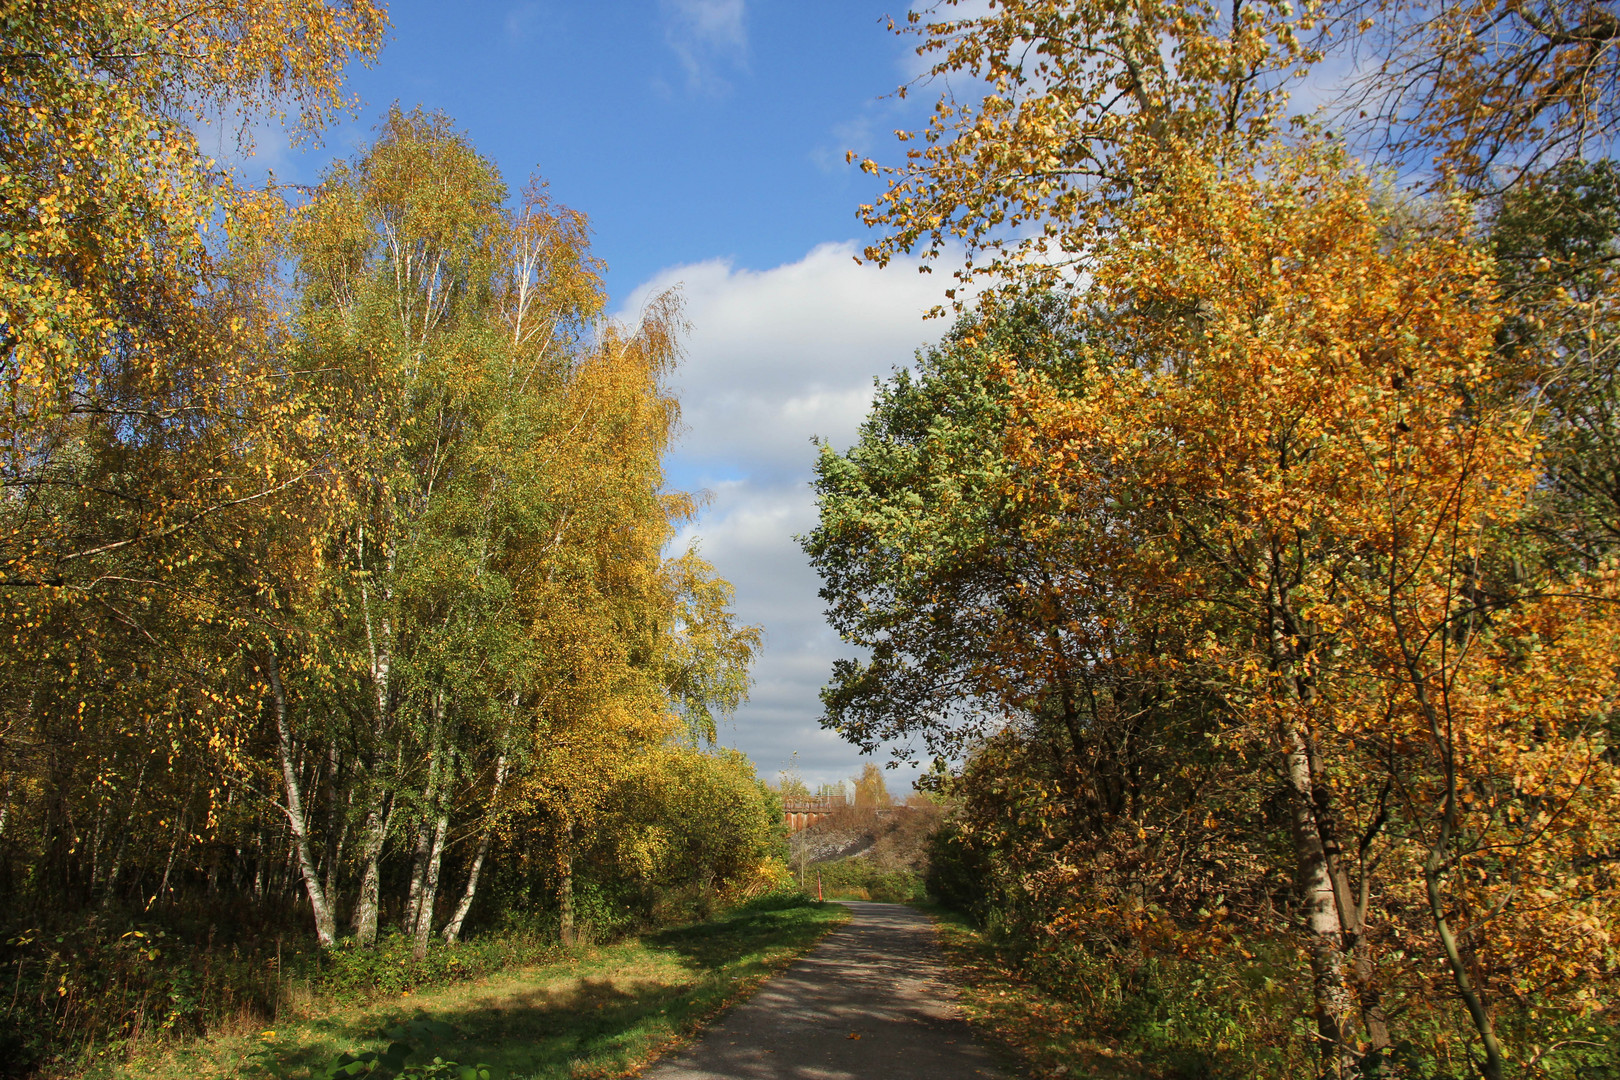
[[1246, 542]]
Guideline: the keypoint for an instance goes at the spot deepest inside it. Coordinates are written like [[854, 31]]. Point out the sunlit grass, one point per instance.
[[600, 1012]]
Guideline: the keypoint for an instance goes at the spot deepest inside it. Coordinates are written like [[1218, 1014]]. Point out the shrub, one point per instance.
[[858, 878]]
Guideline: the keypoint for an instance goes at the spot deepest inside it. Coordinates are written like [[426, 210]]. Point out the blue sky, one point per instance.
[[705, 140], [685, 129]]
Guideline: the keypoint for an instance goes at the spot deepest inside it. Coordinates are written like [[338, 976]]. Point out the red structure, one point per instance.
[[802, 812]]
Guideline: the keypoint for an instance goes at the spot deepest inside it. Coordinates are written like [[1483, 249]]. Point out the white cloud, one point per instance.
[[707, 35], [776, 357]]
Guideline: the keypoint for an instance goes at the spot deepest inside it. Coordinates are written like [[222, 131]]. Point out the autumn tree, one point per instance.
[[1488, 92], [1083, 104], [145, 417], [1080, 104], [335, 523], [122, 320], [501, 558], [871, 793], [1310, 430], [1358, 402], [925, 562]]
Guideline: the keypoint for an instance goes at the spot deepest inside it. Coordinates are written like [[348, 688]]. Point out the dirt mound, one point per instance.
[[892, 837]]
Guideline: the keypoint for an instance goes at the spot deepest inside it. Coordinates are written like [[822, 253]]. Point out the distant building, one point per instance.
[[803, 811]]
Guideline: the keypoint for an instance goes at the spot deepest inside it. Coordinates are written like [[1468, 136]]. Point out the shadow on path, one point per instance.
[[872, 1002]]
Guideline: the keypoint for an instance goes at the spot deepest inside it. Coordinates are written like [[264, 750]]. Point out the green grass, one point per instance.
[[862, 879], [600, 1012]]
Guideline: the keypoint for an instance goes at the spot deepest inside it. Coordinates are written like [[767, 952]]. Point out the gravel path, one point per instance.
[[871, 1002]]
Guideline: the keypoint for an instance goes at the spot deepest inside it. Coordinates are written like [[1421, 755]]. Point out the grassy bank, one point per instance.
[[598, 1012], [1048, 1034], [861, 878]]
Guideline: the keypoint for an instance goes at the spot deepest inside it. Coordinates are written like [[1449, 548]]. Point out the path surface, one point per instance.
[[879, 977]]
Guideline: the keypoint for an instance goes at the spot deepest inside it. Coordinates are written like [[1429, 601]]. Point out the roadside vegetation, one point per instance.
[[540, 1011], [1246, 552], [339, 622]]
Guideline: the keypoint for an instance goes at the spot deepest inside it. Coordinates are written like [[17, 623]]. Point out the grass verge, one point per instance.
[[1044, 1033], [601, 1012], [860, 878]]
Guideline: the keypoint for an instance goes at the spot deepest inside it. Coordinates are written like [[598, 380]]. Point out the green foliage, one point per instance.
[[1205, 1015], [349, 973], [858, 878], [85, 982], [403, 1042], [958, 873], [80, 980], [600, 1010], [1556, 238], [684, 830], [919, 545], [419, 632]]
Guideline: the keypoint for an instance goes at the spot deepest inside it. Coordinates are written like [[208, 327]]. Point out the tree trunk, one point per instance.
[[123, 835], [174, 845], [1326, 936], [325, 927], [424, 831], [1319, 903], [1434, 868], [379, 645], [419, 861], [1493, 1067], [430, 887], [337, 821], [376, 831], [565, 884], [452, 930], [1353, 916]]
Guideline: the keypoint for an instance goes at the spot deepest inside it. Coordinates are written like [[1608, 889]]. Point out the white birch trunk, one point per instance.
[[424, 832], [325, 927], [430, 886], [452, 929]]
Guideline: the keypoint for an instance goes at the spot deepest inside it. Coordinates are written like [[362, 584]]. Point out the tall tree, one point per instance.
[[1313, 417]]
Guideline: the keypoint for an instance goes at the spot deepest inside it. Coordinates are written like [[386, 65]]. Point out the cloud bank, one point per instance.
[[776, 357]]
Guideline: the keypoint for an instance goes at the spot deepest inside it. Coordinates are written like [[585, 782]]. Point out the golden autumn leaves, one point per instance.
[[1245, 475], [333, 525], [1326, 460]]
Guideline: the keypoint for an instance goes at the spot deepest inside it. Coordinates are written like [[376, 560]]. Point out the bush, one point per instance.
[[858, 878], [348, 973], [957, 873], [85, 978], [685, 833]]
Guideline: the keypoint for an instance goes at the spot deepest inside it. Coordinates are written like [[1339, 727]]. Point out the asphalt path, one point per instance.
[[873, 1001]]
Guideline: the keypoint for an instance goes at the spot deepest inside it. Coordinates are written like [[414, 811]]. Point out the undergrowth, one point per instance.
[[88, 989], [858, 878], [595, 1011], [1239, 1012]]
